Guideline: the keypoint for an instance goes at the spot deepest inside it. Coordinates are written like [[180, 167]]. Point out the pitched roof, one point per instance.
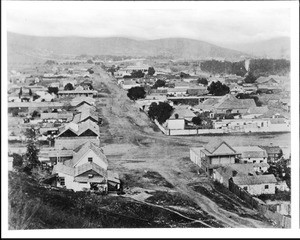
[[82, 149], [271, 149], [251, 151], [183, 112], [88, 125], [240, 169], [89, 166], [113, 176], [265, 80], [254, 180], [61, 168], [77, 100], [231, 102], [212, 146]]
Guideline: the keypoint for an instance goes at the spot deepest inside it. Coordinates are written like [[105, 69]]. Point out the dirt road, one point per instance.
[[132, 144]]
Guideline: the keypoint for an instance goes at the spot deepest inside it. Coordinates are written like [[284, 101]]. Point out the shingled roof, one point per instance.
[[251, 151], [82, 149], [90, 166], [212, 146], [254, 180], [231, 102]]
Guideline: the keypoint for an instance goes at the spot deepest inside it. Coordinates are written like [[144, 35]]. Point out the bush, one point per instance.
[[159, 83], [161, 111], [218, 89], [136, 93], [68, 87], [17, 160]]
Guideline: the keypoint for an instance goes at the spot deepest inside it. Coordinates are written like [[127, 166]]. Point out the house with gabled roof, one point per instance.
[[256, 184], [78, 101], [87, 170], [86, 114], [251, 154], [72, 135], [213, 155], [229, 103]]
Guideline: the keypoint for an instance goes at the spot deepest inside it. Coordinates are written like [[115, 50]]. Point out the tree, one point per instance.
[[151, 71], [197, 120], [53, 90], [250, 78], [202, 81], [20, 93], [218, 89], [35, 114], [30, 92], [69, 87], [90, 61], [161, 111], [159, 83], [137, 74], [184, 75], [17, 160], [135, 93], [31, 156]]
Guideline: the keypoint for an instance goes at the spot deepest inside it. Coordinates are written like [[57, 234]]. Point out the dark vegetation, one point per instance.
[[34, 206], [279, 195], [158, 83], [68, 87], [258, 67], [161, 111], [139, 178], [226, 200], [218, 89], [136, 93]]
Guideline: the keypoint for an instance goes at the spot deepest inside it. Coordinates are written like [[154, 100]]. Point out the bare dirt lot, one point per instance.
[[156, 168]]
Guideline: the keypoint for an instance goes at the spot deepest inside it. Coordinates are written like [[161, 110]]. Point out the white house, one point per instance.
[[86, 170], [252, 154], [257, 184]]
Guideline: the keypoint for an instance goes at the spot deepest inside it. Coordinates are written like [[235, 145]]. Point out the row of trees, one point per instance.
[[30, 160]]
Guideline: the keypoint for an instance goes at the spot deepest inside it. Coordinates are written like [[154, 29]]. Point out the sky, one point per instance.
[[217, 22]]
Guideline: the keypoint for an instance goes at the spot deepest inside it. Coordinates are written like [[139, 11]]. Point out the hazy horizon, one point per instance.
[[218, 23]]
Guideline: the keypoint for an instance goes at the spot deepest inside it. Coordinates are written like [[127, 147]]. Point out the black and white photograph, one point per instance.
[[150, 119]]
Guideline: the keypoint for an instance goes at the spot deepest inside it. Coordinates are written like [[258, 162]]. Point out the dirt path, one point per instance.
[[163, 154]]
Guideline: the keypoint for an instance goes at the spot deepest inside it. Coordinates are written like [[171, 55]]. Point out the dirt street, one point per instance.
[[134, 148]]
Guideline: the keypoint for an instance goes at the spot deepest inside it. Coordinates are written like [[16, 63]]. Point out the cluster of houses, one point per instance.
[[227, 114], [35, 87], [245, 166], [70, 126], [77, 158]]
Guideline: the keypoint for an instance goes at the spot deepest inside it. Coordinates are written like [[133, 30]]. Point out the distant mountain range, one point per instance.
[[177, 48], [272, 48]]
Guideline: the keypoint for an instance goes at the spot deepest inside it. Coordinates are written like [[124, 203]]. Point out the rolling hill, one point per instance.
[[178, 48], [272, 48]]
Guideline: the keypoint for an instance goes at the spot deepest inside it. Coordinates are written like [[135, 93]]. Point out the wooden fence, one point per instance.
[[279, 219]]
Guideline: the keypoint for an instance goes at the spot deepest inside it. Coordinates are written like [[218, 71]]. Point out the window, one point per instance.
[[245, 188], [91, 175], [90, 159], [261, 161], [254, 161], [61, 181], [266, 186]]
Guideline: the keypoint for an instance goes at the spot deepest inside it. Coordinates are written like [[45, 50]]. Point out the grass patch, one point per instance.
[[227, 200], [137, 178], [32, 206]]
